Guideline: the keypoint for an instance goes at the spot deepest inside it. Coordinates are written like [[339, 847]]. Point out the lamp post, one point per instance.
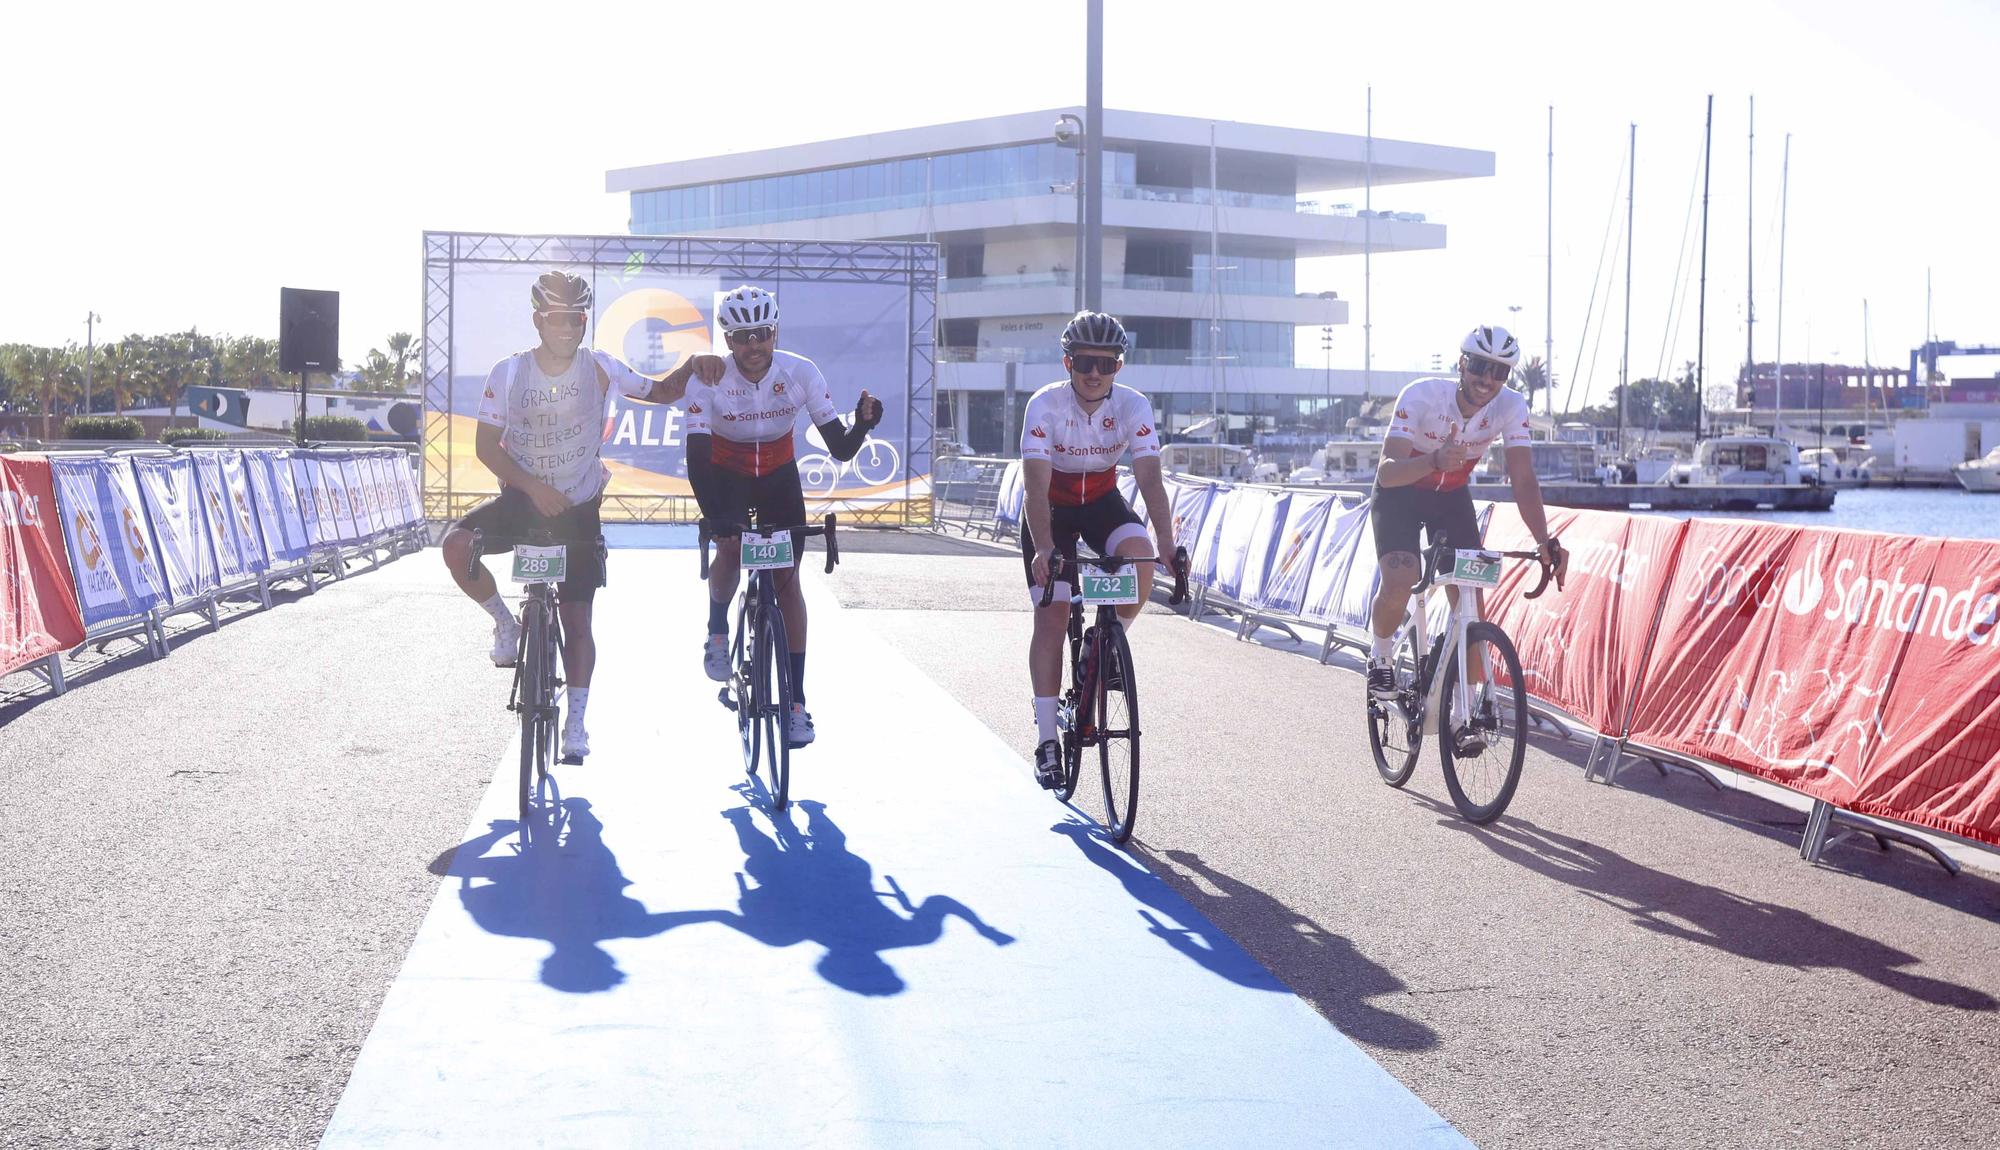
[[89, 339], [1326, 345], [1069, 134]]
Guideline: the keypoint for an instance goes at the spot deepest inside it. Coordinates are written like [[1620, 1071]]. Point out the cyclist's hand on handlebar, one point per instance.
[[1557, 559], [867, 411], [708, 368], [547, 500], [1040, 565]]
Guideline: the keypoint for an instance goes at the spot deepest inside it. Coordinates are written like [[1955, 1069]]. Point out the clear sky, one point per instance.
[[174, 165]]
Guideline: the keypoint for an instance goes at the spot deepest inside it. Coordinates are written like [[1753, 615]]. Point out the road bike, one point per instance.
[[759, 689], [1100, 707], [540, 562], [1481, 724]]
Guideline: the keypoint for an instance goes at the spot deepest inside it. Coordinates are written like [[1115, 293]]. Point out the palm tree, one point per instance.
[[252, 361], [404, 346]]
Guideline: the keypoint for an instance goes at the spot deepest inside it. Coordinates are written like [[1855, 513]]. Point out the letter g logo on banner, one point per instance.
[[1805, 586]]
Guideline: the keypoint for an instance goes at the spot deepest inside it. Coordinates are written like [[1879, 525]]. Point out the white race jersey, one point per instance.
[[554, 427], [752, 423], [1084, 447], [1427, 415]]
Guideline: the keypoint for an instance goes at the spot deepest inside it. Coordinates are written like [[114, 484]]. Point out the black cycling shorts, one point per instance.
[[506, 519], [1397, 512], [1095, 522], [777, 498]]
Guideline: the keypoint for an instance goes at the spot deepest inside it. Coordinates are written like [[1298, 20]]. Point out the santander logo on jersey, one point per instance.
[[1038, 433], [1145, 430]]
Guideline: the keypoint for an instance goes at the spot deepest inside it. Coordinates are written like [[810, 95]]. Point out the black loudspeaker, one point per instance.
[[308, 330]]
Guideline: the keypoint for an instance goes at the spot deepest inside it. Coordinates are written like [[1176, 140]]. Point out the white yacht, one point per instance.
[[1982, 474], [1738, 461], [1824, 465]]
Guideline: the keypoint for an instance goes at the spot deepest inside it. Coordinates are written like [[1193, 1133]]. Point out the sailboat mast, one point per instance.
[[1750, 275], [1218, 389], [1549, 281], [1701, 308], [1784, 204], [1625, 356], [1367, 257]]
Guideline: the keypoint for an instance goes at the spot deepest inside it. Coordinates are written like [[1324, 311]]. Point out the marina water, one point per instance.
[[1950, 512]]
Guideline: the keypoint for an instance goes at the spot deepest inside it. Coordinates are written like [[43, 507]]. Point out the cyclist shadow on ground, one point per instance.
[[564, 887], [1674, 907], [807, 886], [1294, 953]]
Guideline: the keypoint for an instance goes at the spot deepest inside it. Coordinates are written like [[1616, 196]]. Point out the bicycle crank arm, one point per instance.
[[722, 697]]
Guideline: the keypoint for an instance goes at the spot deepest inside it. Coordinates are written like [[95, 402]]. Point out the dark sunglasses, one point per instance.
[[563, 318], [749, 335], [1487, 369], [1101, 364]]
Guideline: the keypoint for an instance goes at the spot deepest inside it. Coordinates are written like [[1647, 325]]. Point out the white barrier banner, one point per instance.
[[1201, 552], [222, 535], [110, 545], [378, 512], [242, 501], [284, 542], [1007, 510], [173, 508], [1284, 588], [1248, 508], [1190, 509], [305, 481], [291, 503], [1272, 508], [339, 489], [1338, 544], [406, 492]]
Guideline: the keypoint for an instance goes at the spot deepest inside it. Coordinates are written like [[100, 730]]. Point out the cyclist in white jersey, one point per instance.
[[541, 429], [742, 413], [1441, 430], [1073, 433]]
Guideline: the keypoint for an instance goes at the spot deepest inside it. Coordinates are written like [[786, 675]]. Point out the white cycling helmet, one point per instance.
[[1494, 343], [747, 306], [560, 291], [1094, 329]]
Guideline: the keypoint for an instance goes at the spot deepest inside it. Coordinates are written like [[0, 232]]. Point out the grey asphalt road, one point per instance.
[[213, 864]]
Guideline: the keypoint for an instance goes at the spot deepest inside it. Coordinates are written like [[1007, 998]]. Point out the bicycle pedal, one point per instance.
[[722, 697], [571, 760]]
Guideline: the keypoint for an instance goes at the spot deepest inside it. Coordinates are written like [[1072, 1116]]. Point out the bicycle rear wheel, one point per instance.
[[1117, 732], [533, 669], [1396, 736], [776, 714], [1482, 751], [742, 681], [1073, 715]]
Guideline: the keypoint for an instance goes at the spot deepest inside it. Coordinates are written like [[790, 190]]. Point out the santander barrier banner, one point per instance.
[[39, 615], [1584, 650]]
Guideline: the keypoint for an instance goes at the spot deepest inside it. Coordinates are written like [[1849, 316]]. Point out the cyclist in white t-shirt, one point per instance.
[[1073, 433], [742, 413], [541, 430], [1441, 430]]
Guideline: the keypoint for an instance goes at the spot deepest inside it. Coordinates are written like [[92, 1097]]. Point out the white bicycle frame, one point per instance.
[[1458, 616]]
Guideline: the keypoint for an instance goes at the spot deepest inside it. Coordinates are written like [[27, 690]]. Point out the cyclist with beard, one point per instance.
[[541, 433], [1441, 430], [1073, 433], [742, 412]]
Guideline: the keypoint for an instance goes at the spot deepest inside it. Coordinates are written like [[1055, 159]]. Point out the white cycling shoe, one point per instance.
[[799, 728], [506, 643], [715, 658], [575, 743]]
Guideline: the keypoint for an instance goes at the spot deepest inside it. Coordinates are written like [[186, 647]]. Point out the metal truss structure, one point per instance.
[[913, 266]]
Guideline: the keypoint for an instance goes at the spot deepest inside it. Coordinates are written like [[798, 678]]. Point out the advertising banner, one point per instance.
[[222, 532], [173, 507], [313, 505], [356, 474], [1346, 529], [1283, 589], [412, 498], [290, 524], [241, 507], [1007, 509], [651, 314], [1779, 648], [1933, 757], [1583, 648], [1191, 503], [39, 615], [380, 517], [334, 469], [1244, 550], [1203, 548], [110, 549]]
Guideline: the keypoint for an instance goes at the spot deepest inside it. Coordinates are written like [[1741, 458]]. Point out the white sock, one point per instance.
[[1380, 648], [579, 697], [1045, 718], [497, 607]]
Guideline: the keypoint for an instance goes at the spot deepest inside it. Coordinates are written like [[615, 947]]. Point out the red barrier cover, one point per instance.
[[1779, 650], [1938, 764], [1584, 648], [38, 609]]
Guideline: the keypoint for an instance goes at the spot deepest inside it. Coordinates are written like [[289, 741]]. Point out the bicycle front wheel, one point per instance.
[[743, 683], [534, 670], [1396, 730], [1482, 739], [1118, 732], [776, 714]]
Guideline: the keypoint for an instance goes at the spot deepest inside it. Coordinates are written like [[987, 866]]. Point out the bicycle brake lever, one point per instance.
[[832, 545]]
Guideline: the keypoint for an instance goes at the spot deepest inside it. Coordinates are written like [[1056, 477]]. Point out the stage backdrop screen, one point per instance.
[[864, 312]]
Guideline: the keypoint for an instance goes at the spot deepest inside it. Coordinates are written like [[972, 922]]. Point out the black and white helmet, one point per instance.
[[1094, 329], [560, 291], [747, 306], [1494, 343]]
